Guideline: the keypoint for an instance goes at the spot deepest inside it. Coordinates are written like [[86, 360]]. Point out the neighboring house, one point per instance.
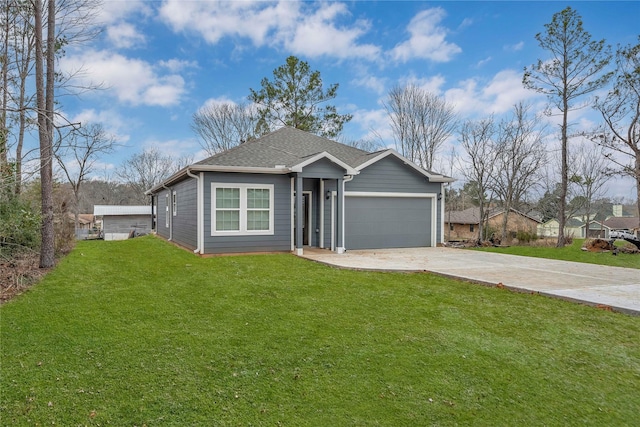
[[291, 189], [85, 221], [119, 222], [463, 225], [630, 224], [572, 228], [596, 229]]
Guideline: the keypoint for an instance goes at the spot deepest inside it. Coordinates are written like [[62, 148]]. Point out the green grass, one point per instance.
[[142, 333], [571, 252]]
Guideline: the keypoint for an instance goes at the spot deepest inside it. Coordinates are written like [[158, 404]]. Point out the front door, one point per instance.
[[306, 216]]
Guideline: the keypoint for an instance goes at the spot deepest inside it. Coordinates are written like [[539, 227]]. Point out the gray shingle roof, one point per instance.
[[288, 147], [622, 223]]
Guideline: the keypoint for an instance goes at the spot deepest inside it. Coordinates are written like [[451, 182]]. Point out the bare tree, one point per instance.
[[77, 158], [223, 126], [590, 176], [576, 68], [620, 110], [421, 122], [144, 170], [17, 67], [520, 156], [477, 140]]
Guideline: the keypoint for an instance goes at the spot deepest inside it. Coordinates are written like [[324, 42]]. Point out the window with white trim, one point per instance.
[[166, 210], [174, 203], [241, 209]]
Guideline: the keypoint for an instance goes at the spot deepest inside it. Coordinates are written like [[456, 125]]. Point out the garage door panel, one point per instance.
[[387, 222]]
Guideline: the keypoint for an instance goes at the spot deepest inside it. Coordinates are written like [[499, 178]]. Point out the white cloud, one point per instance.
[[482, 62], [427, 39], [316, 35], [514, 47], [370, 82], [176, 148], [505, 90], [113, 11], [176, 65], [375, 123], [125, 35], [432, 84], [215, 20], [131, 80], [498, 96], [112, 121], [301, 28]]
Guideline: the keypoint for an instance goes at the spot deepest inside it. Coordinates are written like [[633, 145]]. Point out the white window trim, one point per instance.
[[174, 203], [243, 209]]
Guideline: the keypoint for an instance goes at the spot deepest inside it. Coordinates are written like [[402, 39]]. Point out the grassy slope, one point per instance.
[[139, 332], [572, 253]]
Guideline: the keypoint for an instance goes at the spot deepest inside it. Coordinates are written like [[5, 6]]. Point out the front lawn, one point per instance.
[[139, 332], [572, 252]]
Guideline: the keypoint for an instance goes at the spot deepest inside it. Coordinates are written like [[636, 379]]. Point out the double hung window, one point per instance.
[[241, 209]]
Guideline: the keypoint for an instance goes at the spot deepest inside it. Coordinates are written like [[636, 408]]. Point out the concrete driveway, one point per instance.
[[615, 287]]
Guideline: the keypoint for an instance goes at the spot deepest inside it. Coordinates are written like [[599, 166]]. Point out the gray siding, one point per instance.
[[391, 175], [161, 227], [127, 223], [323, 168], [185, 228], [279, 241]]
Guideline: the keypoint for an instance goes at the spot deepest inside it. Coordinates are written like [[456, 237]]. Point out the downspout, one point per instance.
[[346, 179], [199, 212]]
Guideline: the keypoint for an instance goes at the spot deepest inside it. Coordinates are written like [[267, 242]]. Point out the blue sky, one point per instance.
[[160, 61]]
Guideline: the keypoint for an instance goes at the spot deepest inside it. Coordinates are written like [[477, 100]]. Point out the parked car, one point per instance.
[[621, 234]]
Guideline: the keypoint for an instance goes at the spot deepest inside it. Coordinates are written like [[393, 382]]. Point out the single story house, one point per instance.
[[572, 227], [596, 229], [463, 225], [291, 189], [627, 223], [119, 222]]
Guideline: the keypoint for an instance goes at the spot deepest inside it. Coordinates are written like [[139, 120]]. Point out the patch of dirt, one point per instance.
[[598, 245], [18, 273]]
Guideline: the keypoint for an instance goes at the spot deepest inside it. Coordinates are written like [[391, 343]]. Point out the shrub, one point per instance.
[[19, 226], [526, 237]]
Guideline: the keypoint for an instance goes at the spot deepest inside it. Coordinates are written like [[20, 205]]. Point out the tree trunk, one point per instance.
[[45, 127], [637, 164], [4, 131], [562, 240]]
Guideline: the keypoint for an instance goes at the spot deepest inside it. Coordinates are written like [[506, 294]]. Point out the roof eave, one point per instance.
[[215, 168]]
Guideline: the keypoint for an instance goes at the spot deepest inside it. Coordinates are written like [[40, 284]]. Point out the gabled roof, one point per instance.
[[472, 215], [622, 223], [285, 147], [287, 150]]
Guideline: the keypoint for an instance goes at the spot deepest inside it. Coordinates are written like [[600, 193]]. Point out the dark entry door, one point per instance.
[[305, 221]]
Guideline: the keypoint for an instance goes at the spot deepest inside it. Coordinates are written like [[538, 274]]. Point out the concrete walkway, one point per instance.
[[615, 287]]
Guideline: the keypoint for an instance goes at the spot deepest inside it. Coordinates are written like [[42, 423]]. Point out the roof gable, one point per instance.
[[372, 158]]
